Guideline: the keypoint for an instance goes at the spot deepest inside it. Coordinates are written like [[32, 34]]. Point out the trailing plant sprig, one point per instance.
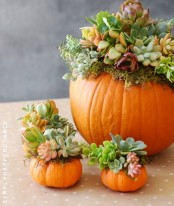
[[117, 154]]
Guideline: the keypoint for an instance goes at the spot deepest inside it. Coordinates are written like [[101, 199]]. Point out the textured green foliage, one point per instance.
[[112, 154], [166, 67]]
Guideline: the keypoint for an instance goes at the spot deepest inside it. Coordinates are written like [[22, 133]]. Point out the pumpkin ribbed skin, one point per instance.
[[103, 105], [54, 174], [122, 182]]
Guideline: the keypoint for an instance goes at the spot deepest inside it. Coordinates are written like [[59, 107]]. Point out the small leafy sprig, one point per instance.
[[118, 154], [166, 67]]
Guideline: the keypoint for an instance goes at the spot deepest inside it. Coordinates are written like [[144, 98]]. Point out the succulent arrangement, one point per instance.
[[118, 154], [126, 44], [46, 135]]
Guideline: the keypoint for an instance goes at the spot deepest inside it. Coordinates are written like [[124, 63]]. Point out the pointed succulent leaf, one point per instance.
[[93, 146], [100, 16], [108, 61], [92, 161], [91, 20], [29, 136], [122, 160], [143, 32], [122, 39], [38, 134], [162, 35], [124, 146], [140, 145], [141, 153], [139, 43], [113, 54], [140, 57], [42, 109], [130, 141], [151, 30], [120, 48], [102, 28], [161, 27], [113, 34], [103, 45], [136, 26], [110, 40]]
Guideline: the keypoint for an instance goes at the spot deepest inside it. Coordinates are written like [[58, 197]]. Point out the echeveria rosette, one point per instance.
[[166, 67], [117, 154], [132, 11]]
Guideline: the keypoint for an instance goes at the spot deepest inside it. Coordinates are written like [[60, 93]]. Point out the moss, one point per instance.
[[139, 77]]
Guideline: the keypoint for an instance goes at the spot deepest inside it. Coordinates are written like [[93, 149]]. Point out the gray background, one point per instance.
[[31, 30]]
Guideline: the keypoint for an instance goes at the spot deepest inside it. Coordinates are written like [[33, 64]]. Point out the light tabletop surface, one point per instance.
[[18, 189]]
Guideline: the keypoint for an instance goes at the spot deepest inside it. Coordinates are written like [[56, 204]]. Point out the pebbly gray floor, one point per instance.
[[30, 31]]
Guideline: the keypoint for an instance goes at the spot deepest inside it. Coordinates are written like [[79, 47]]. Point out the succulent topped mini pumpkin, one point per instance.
[[48, 141], [121, 161]]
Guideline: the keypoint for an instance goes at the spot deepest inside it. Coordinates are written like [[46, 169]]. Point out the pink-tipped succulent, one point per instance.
[[128, 62], [47, 150], [132, 157], [133, 164], [133, 169]]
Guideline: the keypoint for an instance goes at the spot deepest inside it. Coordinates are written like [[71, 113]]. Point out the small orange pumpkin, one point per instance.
[[54, 174], [103, 105], [122, 182]]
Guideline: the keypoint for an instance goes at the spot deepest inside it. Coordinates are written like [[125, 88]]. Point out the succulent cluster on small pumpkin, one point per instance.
[[127, 40], [46, 135], [118, 154]]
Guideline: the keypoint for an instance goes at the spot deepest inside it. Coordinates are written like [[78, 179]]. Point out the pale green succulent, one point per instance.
[[148, 55], [31, 138], [66, 146], [161, 28], [138, 32]]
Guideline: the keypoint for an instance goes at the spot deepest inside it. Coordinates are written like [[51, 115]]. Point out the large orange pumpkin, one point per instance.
[[122, 182], [103, 105], [54, 174]]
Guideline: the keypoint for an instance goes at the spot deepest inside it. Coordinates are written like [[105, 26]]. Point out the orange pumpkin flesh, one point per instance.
[[122, 182], [103, 105], [54, 174]]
